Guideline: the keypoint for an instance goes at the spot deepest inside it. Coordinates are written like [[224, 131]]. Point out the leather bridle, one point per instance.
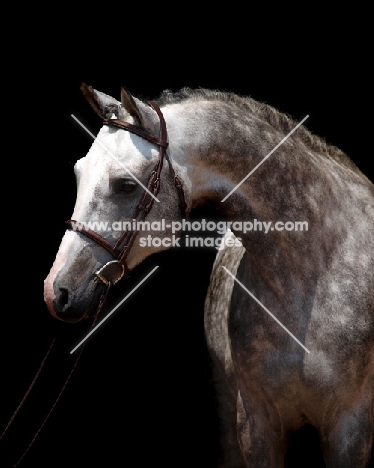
[[117, 269]]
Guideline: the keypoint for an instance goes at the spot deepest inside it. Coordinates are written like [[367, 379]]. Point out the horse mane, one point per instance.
[[278, 120]]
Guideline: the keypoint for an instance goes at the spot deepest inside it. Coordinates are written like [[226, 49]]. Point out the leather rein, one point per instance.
[[116, 269]]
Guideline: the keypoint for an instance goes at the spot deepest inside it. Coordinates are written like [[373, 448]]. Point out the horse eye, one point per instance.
[[128, 186]]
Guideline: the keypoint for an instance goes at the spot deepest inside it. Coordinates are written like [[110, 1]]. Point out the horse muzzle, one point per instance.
[[72, 304]]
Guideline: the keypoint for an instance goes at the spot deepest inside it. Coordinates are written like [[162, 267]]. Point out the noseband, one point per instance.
[[116, 269]]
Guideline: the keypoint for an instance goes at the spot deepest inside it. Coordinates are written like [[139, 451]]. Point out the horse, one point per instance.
[[289, 313]]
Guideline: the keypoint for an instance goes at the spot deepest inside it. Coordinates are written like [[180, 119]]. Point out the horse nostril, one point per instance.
[[64, 296], [64, 299]]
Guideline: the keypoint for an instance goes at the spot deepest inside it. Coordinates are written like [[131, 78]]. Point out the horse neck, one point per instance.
[[293, 184]]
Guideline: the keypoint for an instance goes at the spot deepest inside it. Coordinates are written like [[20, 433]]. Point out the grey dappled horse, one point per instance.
[[318, 282]]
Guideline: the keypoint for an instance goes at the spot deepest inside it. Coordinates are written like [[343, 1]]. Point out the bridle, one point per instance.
[[117, 269]]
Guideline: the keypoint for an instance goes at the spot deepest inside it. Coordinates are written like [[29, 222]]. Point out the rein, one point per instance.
[[116, 269], [98, 312]]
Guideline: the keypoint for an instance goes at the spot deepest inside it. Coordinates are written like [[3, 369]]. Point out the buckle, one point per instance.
[[111, 272]]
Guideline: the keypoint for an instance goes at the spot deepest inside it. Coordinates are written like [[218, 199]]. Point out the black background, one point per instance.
[[141, 392]]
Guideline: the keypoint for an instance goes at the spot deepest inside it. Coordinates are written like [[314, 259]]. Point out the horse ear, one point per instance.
[[141, 112], [105, 106], [131, 105]]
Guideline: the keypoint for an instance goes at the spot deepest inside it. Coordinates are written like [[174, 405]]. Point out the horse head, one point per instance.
[[121, 182]]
